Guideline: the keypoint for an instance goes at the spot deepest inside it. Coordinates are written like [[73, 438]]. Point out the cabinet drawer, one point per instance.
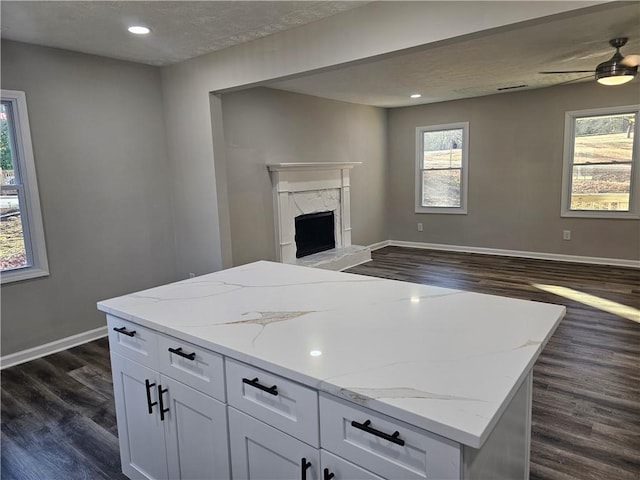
[[289, 407], [132, 341], [415, 453], [195, 366]]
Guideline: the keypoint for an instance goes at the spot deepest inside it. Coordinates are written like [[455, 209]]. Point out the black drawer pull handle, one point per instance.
[[178, 351], [147, 386], [304, 465], [124, 331], [254, 383], [391, 438], [327, 475], [163, 410]]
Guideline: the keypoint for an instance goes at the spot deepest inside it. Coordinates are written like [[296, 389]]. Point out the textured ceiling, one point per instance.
[[180, 30], [457, 68], [480, 65]]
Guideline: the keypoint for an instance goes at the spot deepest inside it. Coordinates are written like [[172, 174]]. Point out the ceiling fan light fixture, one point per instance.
[[613, 71], [615, 80]]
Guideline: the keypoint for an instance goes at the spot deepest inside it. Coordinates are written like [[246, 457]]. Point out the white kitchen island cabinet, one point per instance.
[[163, 423], [277, 371]]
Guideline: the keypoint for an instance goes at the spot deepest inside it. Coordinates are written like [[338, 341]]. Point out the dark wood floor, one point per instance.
[[58, 418]]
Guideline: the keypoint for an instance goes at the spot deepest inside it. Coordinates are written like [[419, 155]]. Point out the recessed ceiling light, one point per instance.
[[415, 95], [138, 29]]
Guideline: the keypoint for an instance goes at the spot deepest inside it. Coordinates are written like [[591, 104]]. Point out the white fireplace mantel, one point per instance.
[[278, 167], [310, 187]]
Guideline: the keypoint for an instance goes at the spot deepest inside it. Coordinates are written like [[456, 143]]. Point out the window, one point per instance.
[[601, 176], [22, 249], [441, 175]]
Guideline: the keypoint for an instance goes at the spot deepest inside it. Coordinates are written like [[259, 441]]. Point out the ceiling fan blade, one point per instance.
[[631, 60], [572, 80], [569, 71]]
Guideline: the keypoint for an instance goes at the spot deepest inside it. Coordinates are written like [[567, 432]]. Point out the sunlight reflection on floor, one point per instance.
[[610, 306]]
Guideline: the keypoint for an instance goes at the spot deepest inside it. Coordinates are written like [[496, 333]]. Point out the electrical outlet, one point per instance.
[[566, 234], [420, 228]]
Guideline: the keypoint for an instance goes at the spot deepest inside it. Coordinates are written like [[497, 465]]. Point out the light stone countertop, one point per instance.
[[443, 360]]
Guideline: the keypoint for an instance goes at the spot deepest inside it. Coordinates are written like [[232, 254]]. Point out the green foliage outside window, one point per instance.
[[5, 147]]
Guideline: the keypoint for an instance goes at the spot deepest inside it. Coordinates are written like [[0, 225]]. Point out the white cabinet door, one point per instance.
[[261, 452], [336, 468], [195, 432], [141, 434]]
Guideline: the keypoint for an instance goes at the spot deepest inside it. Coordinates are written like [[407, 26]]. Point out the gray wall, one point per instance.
[[98, 137], [263, 126], [201, 206], [515, 171]]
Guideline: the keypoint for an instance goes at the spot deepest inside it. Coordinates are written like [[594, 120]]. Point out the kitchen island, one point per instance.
[[270, 370]]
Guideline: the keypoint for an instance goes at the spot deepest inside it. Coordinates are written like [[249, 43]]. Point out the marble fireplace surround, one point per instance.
[[312, 187]]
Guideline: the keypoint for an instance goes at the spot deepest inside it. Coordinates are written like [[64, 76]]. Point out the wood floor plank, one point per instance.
[[34, 443], [20, 463], [56, 426]]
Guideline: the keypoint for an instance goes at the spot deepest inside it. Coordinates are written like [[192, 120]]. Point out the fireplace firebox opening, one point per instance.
[[314, 233]]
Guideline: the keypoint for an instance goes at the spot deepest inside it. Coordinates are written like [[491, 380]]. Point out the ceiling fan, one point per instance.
[[615, 71]]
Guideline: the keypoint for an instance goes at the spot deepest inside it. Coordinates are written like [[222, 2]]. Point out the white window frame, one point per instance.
[[38, 265], [462, 209], [569, 142]]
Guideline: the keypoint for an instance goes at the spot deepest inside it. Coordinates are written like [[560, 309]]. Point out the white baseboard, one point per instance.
[[618, 262], [379, 245], [52, 347]]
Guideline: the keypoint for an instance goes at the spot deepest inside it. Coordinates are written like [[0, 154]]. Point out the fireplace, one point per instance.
[[315, 232], [314, 192]]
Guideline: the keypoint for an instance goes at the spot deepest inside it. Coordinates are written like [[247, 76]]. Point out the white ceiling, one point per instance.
[[180, 29], [458, 68], [477, 66]]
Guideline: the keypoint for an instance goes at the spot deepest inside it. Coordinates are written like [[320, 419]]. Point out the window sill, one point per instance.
[[601, 214], [20, 274], [442, 210]]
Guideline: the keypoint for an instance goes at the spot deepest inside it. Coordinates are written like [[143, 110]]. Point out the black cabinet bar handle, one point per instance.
[[326, 475], [148, 386], [391, 438], [178, 351], [163, 410], [124, 331], [254, 383], [304, 465]]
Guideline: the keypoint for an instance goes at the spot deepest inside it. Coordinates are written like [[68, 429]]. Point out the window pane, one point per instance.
[[13, 253], [6, 157], [443, 149], [606, 138], [441, 188], [601, 187]]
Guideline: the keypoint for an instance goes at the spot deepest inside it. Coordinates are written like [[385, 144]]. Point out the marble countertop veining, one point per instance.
[[444, 360]]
